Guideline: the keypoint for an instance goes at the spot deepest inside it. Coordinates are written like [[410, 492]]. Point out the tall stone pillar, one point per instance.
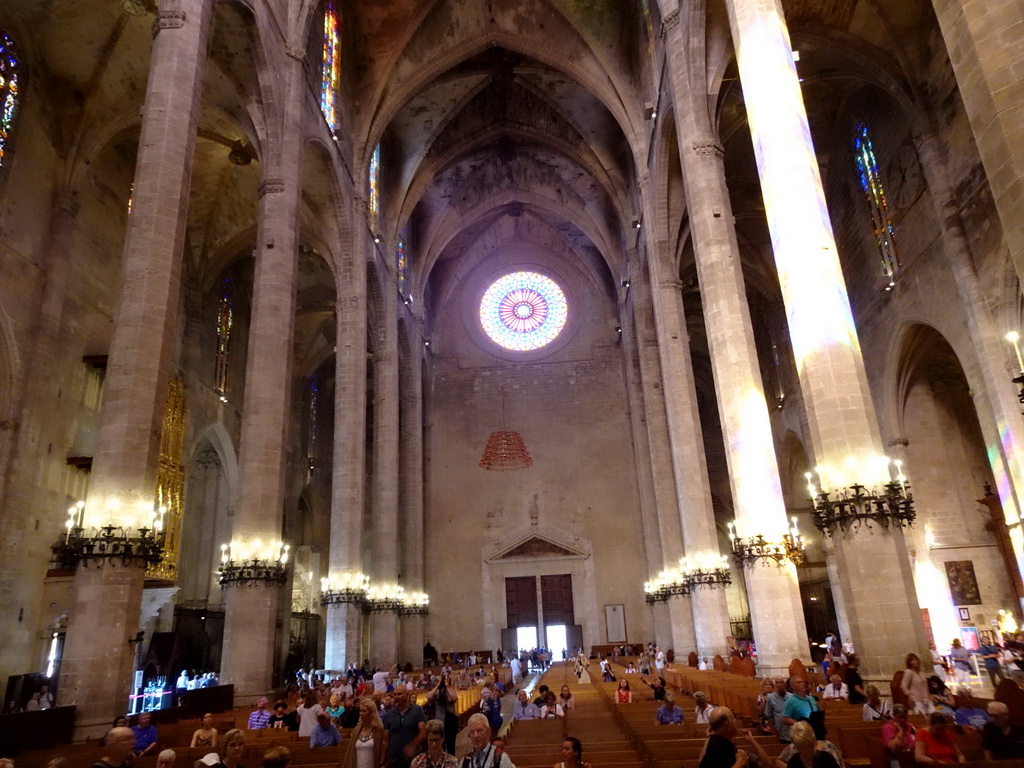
[[410, 530], [348, 493], [983, 43], [98, 661], [666, 536], [773, 592], [693, 489], [385, 537], [875, 575], [21, 581], [251, 611]]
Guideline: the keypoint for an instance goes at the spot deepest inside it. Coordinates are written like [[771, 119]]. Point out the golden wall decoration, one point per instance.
[[170, 480]]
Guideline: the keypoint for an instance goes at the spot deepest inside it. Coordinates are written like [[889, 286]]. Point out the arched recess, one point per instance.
[[955, 552]]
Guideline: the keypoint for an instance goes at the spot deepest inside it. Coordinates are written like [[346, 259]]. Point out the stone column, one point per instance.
[[666, 536], [774, 594], [21, 574], [98, 661], [251, 611], [411, 526], [348, 495], [1004, 427], [693, 489], [384, 508], [983, 43], [876, 579]]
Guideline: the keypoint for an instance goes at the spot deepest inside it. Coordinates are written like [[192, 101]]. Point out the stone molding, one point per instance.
[[270, 186], [671, 283], [708, 147], [899, 441], [168, 20], [670, 21], [296, 53]]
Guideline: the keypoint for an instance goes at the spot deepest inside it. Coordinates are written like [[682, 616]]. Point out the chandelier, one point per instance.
[[505, 452], [747, 552], [347, 588], [256, 564], [857, 506], [138, 544]]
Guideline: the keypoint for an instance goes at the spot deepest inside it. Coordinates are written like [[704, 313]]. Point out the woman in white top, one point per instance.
[[366, 747], [308, 713], [876, 707], [703, 708], [551, 707], [566, 699]]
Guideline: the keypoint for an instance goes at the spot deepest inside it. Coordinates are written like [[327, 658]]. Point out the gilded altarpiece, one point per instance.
[[170, 481]]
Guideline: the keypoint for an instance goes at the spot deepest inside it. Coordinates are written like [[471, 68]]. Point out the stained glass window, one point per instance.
[[402, 263], [330, 74], [375, 188], [225, 319], [131, 194], [313, 397], [878, 207], [8, 92], [523, 311]]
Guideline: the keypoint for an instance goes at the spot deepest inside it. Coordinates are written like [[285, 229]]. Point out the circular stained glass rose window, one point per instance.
[[523, 311]]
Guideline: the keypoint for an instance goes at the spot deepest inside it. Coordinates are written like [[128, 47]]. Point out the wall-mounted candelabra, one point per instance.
[[757, 549], [253, 564], [124, 539]]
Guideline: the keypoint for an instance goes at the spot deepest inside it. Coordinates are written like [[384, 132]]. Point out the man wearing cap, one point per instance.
[[260, 718]]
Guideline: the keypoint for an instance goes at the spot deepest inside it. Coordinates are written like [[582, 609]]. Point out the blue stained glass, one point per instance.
[[523, 311], [878, 206], [401, 262], [8, 92]]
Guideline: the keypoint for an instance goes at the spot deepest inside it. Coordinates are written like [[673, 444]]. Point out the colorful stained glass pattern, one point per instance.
[[523, 311], [878, 207], [375, 188], [330, 75], [402, 263], [8, 92]]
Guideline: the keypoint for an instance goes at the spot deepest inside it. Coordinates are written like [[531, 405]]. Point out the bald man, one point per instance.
[[117, 748], [720, 749], [404, 729], [1000, 738]]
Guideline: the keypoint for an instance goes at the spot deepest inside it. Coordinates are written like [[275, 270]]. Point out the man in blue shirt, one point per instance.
[[145, 735], [774, 707], [325, 733], [798, 706], [524, 709]]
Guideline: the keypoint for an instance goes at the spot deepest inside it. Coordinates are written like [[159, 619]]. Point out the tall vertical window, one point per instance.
[[375, 189], [874, 191], [314, 394], [8, 93], [330, 72], [225, 319], [402, 262]]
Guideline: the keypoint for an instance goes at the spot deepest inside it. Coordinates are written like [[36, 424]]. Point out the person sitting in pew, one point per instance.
[[166, 759], [836, 689], [898, 735], [631, 668], [657, 686], [669, 713], [524, 709], [551, 707], [808, 751], [968, 716], [277, 757], [876, 708], [936, 743], [572, 754], [117, 748], [703, 709], [622, 694], [1000, 738], [720, 749], [206, 734]]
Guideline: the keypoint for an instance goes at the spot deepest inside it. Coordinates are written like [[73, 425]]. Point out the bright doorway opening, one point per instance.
[[526, 638], [557, 640]]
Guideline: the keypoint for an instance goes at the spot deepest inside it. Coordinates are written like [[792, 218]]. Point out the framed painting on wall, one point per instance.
[[615, 623], [963, 584]]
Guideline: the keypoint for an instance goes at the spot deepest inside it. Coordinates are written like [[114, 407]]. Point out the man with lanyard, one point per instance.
[[524, 709], [484, 754], [720, 749], [798, 706], [404, 729]]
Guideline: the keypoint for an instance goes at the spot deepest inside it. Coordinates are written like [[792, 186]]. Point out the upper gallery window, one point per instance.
[[878, 206], [330, 70], [8, 92]]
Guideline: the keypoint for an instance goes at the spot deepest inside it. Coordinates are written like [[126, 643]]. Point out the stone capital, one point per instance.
[[168, 20], [708, 147], [296, 53], [269, 186], [66, 204], [902, 441], [671, 283], [670, 21]]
